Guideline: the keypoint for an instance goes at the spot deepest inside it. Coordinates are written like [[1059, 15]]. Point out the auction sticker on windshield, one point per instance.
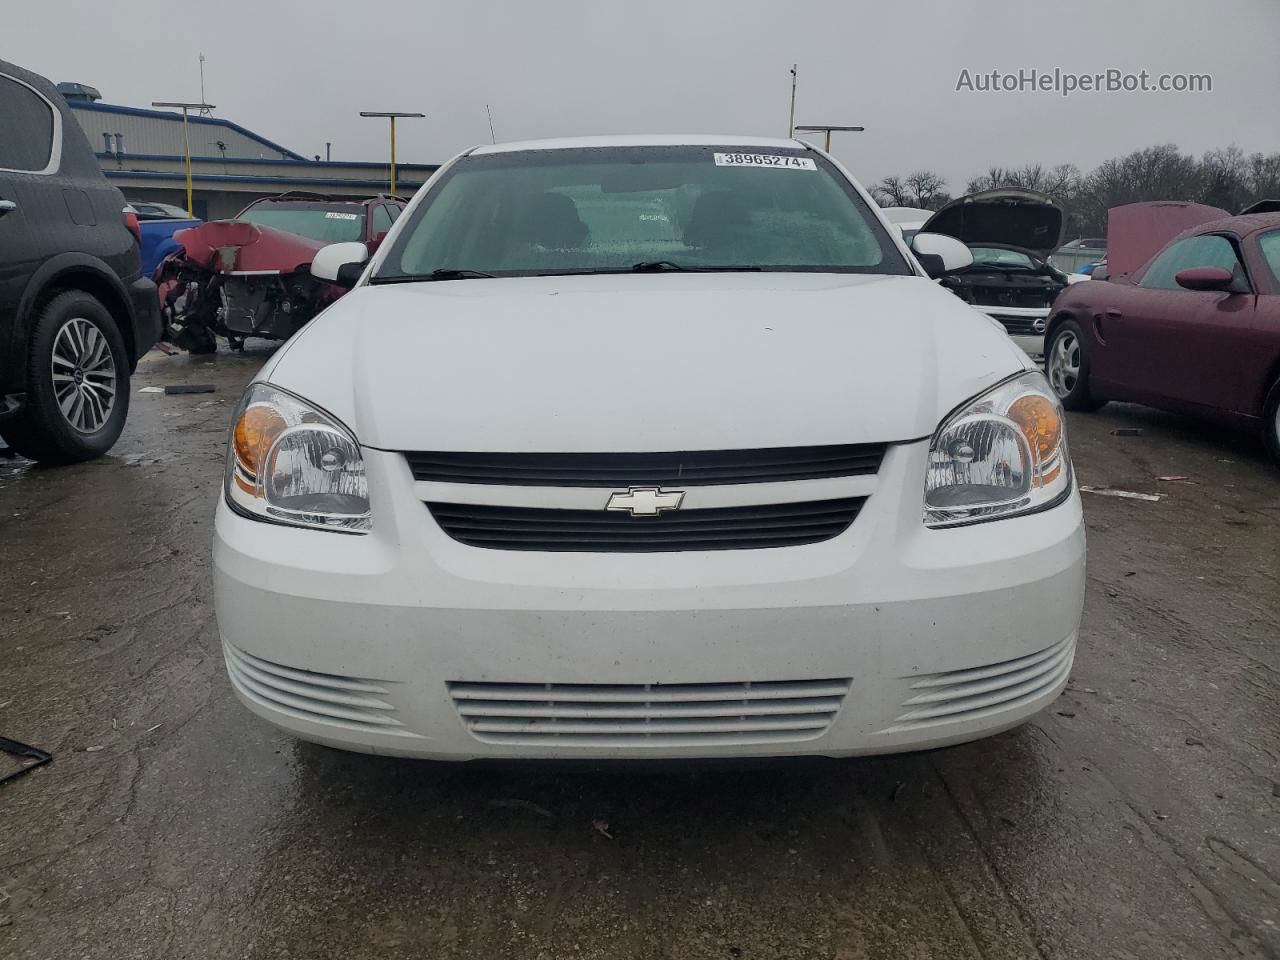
[[331, 215], [763, 160]]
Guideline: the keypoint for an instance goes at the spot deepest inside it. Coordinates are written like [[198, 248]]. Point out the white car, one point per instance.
[[647, 447]]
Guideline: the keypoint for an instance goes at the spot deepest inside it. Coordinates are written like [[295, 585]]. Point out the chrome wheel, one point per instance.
[[1064, 363], [84, 375]]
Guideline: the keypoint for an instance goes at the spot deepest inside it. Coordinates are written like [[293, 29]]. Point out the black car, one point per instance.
[[76, 313]]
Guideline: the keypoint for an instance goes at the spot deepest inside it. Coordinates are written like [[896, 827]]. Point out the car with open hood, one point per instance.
[[677, 451], [1188, 319], [1011, 233]]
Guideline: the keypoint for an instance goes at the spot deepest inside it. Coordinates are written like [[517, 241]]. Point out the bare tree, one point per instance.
[[891, 192], [1226, 178], [924, 188], [927, 189]]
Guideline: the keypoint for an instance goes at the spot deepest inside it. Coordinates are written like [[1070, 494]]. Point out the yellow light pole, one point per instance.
[[824, 128], [393, 115], [186, 140]]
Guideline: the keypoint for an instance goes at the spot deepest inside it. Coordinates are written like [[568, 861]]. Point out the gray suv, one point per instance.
[[75, 311]]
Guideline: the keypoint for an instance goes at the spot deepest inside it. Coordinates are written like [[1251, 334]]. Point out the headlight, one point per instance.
[[1000, 455], [290, 462]]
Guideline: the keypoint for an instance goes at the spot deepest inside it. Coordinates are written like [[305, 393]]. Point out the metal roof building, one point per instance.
[[140, 151]]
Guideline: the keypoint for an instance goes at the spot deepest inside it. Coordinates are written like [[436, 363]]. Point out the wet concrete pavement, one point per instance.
[[1138, 817]]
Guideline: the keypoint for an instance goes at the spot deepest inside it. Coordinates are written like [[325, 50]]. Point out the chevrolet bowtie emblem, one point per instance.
[[645, 501]]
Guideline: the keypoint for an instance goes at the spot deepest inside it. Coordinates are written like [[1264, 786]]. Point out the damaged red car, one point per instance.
[[251, 276], [1188, 321]]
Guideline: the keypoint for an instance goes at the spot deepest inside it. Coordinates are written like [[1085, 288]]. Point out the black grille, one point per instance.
[[598, 531], [684, 467], [1019, 326]]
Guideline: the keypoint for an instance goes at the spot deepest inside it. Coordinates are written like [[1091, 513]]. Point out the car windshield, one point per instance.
[[615, 209], [1001, 257], [326, 222]]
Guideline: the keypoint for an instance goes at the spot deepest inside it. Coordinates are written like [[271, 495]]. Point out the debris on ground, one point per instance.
[[190, 388], [1127, 432], [152, 390], [602, 828], [29, 757], [1178, 480], [1125, 494], [510, 804]]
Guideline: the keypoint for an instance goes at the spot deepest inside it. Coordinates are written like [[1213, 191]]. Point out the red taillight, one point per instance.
[[131, 221]]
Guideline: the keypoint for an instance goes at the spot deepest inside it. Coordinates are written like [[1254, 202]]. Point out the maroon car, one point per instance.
[[1194, 328], [251, 276]]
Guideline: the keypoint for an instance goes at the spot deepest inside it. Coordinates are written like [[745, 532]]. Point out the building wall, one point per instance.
[[156, 132], [151, 164]]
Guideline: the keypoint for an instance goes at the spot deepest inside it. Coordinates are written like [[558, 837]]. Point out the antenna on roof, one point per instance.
[[492, 138], [205, 109]]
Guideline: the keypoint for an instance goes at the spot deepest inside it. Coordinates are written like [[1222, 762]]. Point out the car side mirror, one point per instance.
[[340, 263], [1204, 278], [940, 254]]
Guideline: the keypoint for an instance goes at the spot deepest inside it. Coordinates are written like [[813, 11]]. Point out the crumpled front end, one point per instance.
[[239, 279]]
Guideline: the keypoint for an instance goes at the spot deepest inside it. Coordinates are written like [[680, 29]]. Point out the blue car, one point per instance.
[[158, 222]]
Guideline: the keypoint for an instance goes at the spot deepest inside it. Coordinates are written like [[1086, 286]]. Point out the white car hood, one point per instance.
[[648, 362]]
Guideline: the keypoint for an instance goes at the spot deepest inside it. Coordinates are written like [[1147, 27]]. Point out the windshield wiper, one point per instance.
[[442, 274], [661, 266]]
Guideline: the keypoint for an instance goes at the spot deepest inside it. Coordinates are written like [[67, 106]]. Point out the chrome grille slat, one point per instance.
[[613, 715]]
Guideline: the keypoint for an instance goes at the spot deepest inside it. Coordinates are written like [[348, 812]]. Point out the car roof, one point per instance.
[[1242, 226], [642, 140]]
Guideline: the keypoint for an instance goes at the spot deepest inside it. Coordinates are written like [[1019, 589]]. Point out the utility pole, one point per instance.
[[492, 138], [791, 121], [186, 139], [827, 128], [393, 115]]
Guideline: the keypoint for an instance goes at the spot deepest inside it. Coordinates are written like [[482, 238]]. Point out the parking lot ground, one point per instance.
[[1137, 817]]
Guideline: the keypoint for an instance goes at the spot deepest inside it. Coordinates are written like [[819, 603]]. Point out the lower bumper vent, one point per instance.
[[319, 697], [980, 692], [652, 715]]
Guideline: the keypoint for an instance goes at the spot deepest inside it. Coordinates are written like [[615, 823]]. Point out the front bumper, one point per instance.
[[1024, 325], [887, 637]]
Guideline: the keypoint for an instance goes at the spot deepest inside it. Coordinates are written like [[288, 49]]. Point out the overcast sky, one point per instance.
[[299, 72]]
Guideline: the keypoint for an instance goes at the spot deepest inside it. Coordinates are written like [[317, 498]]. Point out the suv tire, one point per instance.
[[77, 376], [1066, 364]]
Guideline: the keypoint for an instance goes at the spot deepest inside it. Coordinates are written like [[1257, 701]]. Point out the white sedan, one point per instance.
[[647, 447]]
